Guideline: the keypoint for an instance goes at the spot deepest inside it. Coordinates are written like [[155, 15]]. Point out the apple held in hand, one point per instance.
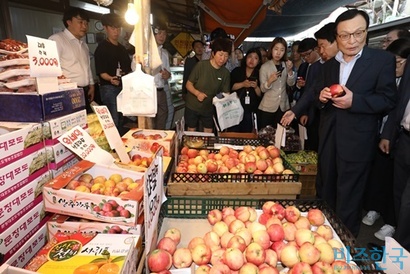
[[336, 90]]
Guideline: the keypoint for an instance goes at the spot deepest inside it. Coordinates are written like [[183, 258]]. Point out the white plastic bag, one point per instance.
[[138, 96], [229, 110]]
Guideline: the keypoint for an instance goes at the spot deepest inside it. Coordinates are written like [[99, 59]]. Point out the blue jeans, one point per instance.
[[109, 95]]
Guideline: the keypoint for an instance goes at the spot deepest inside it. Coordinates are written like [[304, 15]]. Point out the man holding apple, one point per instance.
[[349, 123]]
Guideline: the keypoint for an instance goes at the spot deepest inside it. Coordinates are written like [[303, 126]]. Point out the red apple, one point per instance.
[[159, 260], [182, 258], [220, 268], [292, 214], [233, 258], [220, 228], [278, 211], [316, 217], [271, 258], [167, 244], [289, 255], [327, 254], [302, 222], [237, 242], [268, 270], [290, 231], [212, 239], [261, 237], [245, 234], [304, 235], [174, 234], [201, 254], [322, 268], [276, 233], [194, 242], [336, 90], [278, 247], [235, 225], [248, 268], [301, 268], [308, 253], [255, 254], [217, 256], [214, 216], [325, 231], [225, 239], [250, 167]]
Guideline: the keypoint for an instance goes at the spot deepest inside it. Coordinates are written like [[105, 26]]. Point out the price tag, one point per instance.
[[81, 143], [43, 55], [111, 132], [153, 199]]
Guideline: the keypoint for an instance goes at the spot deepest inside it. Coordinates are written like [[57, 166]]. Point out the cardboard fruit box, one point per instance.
[[64, 223], [21, 201], [84, 253], [92, 206], [18, 140], [149, 140], [31, 246], [33, 107]]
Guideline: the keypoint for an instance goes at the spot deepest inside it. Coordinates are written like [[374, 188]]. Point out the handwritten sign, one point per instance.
[[44, 59], [153, 199], [81, 143], [111, 132]]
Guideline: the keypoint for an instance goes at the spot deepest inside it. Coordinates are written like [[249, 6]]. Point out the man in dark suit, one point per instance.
[[307, 75], [396, 138], [349, 124]]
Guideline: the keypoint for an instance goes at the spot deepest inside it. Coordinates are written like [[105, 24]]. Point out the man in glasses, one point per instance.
[[74, 53], [394, 35], [349, 123]]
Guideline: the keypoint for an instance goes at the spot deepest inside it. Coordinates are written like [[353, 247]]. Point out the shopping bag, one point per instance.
[[138, 96], [229, 110]]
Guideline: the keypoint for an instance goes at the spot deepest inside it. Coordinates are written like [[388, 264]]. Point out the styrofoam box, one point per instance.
[[58, 155], [57, 199], [21, 201], [18, 140], [395, 258], [56, 127], [57, 171], [24, 254], [25, 227], [18, 174], [65, 223]]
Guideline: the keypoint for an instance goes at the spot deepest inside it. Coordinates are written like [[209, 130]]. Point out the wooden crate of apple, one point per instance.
[[241, 240], [260, 160]]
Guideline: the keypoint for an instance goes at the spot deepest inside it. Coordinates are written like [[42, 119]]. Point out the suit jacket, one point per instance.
[[307, 100], [355, 130], [392, 127]]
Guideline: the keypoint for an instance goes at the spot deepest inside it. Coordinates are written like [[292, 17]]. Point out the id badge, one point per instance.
[[247, 98]]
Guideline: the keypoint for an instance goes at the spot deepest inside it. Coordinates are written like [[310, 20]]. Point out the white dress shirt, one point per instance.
[[163, 53], [74, 58]]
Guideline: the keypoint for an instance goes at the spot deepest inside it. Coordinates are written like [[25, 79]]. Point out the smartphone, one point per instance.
[[300, 78], [252, 78]]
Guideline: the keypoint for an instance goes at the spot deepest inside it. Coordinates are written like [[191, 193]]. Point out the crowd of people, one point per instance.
[[362, 137]]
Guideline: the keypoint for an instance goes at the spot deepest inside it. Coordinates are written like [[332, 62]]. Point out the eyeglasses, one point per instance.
[[304, 55], [400, 62], [357, 35]]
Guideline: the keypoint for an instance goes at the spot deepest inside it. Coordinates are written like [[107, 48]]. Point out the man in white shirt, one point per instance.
[[74, 53], [165, 112]]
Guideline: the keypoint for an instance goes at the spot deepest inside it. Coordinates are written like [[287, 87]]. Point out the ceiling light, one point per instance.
[[131, 15]]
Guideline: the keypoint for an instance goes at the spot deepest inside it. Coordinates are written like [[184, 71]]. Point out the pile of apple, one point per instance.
[[115, 185], [241, 242], [141, 161], [260, 160]]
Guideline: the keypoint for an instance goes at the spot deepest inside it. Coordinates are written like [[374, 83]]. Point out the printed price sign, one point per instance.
[[81, 143], [280, 136], [111, 132], [43, 55], [153, 199]]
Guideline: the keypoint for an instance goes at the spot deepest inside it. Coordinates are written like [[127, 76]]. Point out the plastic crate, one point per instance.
[[210, 141], [198, 208], [308, 184]]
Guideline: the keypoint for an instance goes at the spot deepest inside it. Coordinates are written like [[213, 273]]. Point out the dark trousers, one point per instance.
[[87, 101], [378, 195], [269, 118], [402, 190], [160, 119]]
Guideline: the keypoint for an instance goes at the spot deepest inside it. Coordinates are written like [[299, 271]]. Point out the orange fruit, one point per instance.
[[86, 269], [110, 268]]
